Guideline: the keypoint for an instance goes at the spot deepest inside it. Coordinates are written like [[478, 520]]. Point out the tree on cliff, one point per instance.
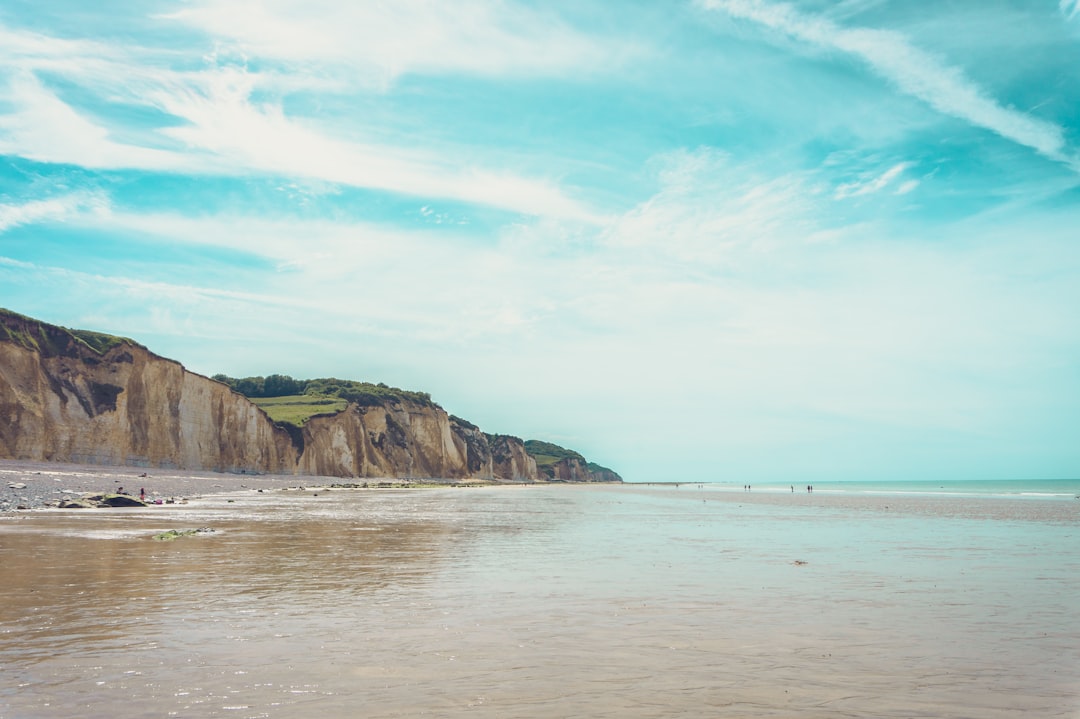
[[275, 385]]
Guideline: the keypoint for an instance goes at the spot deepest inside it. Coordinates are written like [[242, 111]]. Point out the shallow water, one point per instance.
[[546, 602]]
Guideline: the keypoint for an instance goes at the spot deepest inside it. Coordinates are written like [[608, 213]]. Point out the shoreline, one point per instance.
[[45, 484]]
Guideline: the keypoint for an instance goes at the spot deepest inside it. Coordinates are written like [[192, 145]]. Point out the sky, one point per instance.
[[696, 240]]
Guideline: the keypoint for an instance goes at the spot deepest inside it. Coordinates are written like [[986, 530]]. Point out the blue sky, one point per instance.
[[720, 240]]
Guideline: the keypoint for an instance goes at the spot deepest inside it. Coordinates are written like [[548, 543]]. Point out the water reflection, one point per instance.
[[536, 603]]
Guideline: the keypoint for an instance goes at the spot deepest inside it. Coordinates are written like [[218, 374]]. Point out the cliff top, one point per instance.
[[547, 454], [53, 340], [365, 394]]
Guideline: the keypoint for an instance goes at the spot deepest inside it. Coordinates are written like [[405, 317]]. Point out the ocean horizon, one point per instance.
[[1047, 488]]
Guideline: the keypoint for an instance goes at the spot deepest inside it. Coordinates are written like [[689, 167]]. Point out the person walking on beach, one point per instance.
[[142, 494]]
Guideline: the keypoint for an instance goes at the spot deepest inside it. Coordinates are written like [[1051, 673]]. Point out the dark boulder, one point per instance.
[[121, 500]]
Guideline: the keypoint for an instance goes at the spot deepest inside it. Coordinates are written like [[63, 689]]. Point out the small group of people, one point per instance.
[[142, 492]]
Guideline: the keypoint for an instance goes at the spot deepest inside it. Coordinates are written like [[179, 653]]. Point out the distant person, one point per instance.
[[793, 489], [808, 489], [142, 494]]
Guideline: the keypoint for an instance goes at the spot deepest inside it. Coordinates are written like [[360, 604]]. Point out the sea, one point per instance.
[[672, 599]]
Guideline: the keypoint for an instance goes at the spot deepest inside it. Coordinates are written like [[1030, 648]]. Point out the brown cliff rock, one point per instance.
[[65, 401], [74, 396]]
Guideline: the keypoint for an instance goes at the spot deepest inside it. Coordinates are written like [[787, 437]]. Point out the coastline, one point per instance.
[[45, 484]]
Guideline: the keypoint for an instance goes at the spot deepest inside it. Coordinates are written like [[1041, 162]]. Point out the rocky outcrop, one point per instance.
[[558, 464], [92, 501], [572, 469], [72, 396], [509, 458], [63, 400], [395, 439]]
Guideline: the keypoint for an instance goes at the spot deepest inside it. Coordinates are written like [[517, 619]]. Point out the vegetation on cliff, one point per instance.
[[364, 394], [299, 408], [53, 340], [547, 455]]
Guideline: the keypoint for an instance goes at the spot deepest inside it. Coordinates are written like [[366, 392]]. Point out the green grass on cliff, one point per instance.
[[364, 394], [53, 340], [100, 343], [298, 408], [547, 454]]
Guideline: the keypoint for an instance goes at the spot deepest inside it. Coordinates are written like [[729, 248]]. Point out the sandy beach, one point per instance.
[[536, 602], [44, 484]]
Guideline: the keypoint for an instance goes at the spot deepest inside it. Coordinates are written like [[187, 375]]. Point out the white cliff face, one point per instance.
[[130, 407], [62, 400], [403, 439]]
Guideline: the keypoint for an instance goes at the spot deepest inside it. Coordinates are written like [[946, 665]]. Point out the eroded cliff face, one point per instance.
[[574, 470], [509, 458], [127, 406], [404, 439], [96, 399]]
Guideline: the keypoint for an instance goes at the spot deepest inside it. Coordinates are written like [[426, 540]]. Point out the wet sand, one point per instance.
[[542, 603]]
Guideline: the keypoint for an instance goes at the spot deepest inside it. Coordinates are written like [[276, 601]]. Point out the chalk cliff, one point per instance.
[[406, 439], [64, 400], [76, 396]]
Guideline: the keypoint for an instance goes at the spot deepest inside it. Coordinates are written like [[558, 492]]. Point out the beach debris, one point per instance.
[[800, 562], [172, 534], [76, 504], [93, 501], [17, 485], [121, 500]]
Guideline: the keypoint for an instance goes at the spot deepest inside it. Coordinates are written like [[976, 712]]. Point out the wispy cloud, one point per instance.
[[57, 209], [44, 128], [382, 41], [916, 72], [211, 123], [1070, 9], [876, 183], [222, 120], [711, 214], [225, 132]]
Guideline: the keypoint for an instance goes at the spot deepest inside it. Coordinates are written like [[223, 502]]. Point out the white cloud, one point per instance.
[[223, 121], [382, 41], [1070, 9], [715, 215], [222, 130], [57, 209], [226, 133], [24, 49], [876, 183], [906, 187], [46, 129], [916, 72]]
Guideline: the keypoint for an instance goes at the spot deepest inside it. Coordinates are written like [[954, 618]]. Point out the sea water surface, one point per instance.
[[689, 600]]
